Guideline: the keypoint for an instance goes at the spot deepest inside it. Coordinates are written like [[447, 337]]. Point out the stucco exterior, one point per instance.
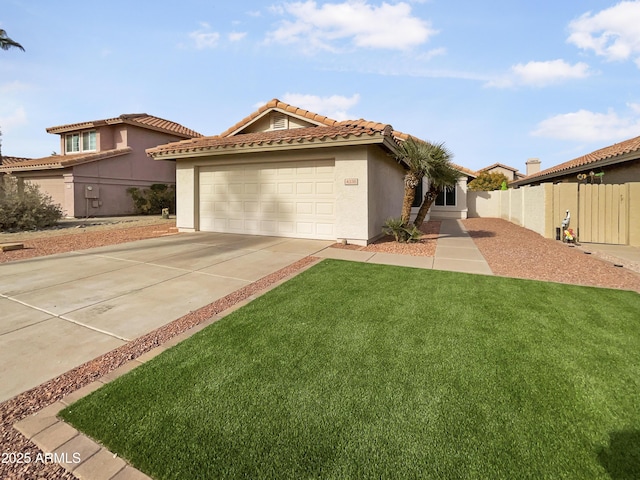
[[95, 182], [361, 209]]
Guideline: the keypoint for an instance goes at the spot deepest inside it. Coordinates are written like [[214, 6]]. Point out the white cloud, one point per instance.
[[334, 106], [204, 38], [237, 36], [13, 87], [588, 126], [612, 33], [14, 118], [388, 26], [635, 107], [541, 74]]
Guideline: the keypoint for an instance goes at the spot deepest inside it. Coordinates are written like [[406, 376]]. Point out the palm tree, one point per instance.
[[442, 176], [6, 43], [413, 153]]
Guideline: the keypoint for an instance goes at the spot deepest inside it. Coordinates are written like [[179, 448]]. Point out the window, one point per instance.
[[80, 142], [446, 198]]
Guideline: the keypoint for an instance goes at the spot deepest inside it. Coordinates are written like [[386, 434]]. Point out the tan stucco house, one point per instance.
[[509, 172], [618, 163], [100, 160], [285, 171]]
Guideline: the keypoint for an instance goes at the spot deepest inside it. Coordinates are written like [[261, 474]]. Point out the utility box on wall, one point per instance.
[[91, 192]]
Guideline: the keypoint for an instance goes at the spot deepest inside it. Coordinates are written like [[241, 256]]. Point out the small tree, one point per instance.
[[488, 181], [24, 207], [152, 200]]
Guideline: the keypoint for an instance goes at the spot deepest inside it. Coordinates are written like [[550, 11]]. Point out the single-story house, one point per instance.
[[100, 160], [618, 163], [509, 172], [285, 171]]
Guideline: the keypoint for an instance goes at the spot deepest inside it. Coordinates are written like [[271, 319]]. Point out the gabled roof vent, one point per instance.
[[279, 121]]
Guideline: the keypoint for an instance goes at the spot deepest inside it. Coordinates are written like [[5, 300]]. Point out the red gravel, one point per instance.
[[425, 247], [513, 251], [49, 243]]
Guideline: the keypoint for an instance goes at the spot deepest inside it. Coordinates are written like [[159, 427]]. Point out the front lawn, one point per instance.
[[354, 370]]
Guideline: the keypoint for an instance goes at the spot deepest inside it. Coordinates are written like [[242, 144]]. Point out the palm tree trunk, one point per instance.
[[427, 201], [411, 182], [409, 197]]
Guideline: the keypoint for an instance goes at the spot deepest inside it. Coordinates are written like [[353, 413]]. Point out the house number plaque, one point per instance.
[[351, 181]]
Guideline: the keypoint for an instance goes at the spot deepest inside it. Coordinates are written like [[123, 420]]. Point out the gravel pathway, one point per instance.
[[513, 251], [510, 251]]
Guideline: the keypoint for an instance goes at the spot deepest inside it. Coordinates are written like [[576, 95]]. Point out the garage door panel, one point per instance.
[[292, 200], [268, 188]]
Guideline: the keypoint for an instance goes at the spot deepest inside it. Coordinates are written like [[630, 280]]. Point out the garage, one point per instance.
[[285, 199]]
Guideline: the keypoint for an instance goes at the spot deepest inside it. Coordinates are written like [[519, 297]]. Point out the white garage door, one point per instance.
[[292, 199]]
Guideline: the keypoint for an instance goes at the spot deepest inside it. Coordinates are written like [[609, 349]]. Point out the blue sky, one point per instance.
[[497, 80]]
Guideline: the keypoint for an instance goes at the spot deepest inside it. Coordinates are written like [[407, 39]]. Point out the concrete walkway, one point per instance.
[[455, 251]]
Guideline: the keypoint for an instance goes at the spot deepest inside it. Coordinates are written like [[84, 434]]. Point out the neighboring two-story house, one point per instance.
[[100, 160]]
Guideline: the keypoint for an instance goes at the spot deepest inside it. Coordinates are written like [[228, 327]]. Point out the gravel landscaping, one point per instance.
[[513, 251], [509, 250]]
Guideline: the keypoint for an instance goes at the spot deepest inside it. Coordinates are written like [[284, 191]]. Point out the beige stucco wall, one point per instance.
[[483, 204], [510, 174], [533, 210], [361, 209], [386, 190]]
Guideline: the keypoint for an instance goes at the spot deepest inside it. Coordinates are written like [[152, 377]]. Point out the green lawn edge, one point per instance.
[[353, 370]]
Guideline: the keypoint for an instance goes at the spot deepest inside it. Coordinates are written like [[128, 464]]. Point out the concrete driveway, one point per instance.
[[60, 311]]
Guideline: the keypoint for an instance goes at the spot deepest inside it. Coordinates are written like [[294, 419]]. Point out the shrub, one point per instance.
[[24, 207], [488, 181], [151, 201], [400, 231]]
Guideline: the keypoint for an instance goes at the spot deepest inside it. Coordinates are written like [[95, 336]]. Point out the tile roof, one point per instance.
[[138, 119], [326, 128], [608, 154], [4, 160], [274, 137], [62, 161], [501, 165], [284, 107]]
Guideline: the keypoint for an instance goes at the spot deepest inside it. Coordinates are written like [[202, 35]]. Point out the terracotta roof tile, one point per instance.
[[327, 128], [610, 152], [10, 160], [502, 165], [273, 137], [285, 107], [139, 119], [62, 161]]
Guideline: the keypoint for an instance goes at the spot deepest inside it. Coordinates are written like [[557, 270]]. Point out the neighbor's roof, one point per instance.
[[53, 162], [612, 154], [273, 138], [500, 165], [138, 119]]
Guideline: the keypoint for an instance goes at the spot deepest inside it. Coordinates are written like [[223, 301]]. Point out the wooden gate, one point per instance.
[[603, 213]]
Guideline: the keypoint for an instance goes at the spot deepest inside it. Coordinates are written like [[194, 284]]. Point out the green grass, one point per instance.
[[355, 370]]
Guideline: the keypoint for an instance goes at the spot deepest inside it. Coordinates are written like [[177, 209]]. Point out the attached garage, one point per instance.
[[292, 199], [287, 172]]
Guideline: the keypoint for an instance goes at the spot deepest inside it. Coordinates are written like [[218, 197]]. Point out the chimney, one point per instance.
[[533, 166]]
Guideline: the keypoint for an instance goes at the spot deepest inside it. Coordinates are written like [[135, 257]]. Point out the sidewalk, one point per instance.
[[455, 251], [625, 255]]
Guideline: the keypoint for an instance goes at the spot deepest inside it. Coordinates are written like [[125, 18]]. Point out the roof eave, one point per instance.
[[295, 144], [578, 168]]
